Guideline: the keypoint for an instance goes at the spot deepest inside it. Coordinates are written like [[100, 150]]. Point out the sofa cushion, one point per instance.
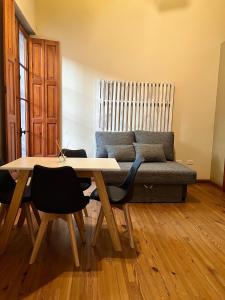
[[165, 138], [169, 172], [121, 152], [150, 152], [111, 138]]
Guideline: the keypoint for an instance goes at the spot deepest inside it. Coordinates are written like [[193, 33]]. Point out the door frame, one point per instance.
[[224, 178], [2, 95]]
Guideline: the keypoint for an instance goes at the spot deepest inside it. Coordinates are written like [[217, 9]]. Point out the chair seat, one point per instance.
[[59, 210], [116, 195], [6, 197]]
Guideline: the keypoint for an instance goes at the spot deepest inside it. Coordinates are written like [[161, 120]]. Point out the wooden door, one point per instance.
[[9, 49], [44, 97], [51, 97], [36, 88]]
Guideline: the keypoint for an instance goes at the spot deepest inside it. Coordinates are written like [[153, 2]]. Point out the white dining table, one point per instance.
[[85, 167]]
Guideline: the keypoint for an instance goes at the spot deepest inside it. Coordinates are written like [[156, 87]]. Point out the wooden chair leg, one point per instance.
[[26, 207], [40, 236], [2, 213], [80, 224], [85, 212], [98, 226], [129, 224], [21, 218], [69, 220], [36, 213]]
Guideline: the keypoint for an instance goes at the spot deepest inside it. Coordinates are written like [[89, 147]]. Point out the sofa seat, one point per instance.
[[169, 172]]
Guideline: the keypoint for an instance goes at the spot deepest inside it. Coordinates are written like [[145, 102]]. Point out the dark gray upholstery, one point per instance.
[[165, 138], [121, 152], [155, 181], [150, 152], [154, 172], [122, 193], [111, 138], [155, 193]]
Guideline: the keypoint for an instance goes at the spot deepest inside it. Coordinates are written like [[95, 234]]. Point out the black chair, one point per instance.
[[119, 196], [58, 194], [84, 182], [7, 187]]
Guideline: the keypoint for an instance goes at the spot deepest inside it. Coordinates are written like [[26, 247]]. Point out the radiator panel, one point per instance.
[[128, 106]]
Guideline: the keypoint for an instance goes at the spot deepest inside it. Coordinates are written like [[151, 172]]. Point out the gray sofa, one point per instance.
[[155, 181]]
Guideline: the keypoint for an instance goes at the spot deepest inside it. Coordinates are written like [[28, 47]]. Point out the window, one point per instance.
[[23, 90]]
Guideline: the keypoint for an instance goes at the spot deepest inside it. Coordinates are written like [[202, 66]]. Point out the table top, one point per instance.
[[80, 164]]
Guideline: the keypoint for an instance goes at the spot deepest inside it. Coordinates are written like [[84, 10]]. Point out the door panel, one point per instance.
[[51, 61], [37, 146], [52, 96], [12, 135], [51, 139], [38, 102], [44, 96], [9, 26], [11, 99], [36, 84], [37, 62], [9, 48], [51, 105]]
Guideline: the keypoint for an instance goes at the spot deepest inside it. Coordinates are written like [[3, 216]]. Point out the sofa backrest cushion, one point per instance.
[[111, 138], [165, 138]]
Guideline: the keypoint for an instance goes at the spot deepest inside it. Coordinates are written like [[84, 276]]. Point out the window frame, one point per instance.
[[20, 29]]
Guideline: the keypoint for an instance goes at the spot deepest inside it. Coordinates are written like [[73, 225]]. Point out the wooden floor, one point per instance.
[[180, 254]]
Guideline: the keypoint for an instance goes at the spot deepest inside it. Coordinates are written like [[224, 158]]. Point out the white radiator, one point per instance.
[[125, 106]]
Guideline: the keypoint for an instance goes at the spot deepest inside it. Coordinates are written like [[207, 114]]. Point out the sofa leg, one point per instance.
[[184, 192]]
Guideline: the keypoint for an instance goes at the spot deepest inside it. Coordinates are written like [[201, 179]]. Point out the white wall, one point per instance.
[[150, 40], [28, 9], [218, 154]]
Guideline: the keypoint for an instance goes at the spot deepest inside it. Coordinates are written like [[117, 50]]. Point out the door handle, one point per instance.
[[23, 131]]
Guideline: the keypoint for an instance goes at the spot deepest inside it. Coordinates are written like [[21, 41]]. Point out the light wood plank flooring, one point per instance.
[[180, 254]]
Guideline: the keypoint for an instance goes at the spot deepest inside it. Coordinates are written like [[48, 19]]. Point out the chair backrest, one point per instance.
[[56, 190], [130, 178], [7, 183], [77, 153], [74, 153]]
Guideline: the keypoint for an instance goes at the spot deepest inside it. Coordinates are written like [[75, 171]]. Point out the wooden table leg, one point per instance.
[[13, 209], [107, 210]]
